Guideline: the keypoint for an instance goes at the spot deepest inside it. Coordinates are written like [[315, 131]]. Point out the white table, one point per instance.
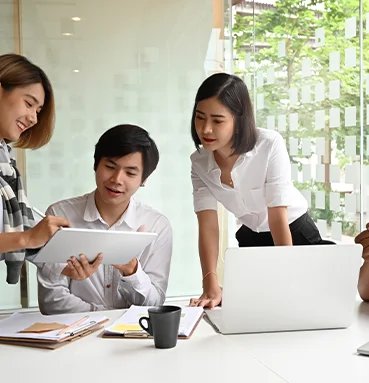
[[306, 356]]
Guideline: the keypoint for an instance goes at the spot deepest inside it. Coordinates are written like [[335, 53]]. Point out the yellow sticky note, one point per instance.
[[122, 327]]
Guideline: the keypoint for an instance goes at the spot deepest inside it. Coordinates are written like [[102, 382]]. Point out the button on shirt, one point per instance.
[[261, 179], [107, 288]]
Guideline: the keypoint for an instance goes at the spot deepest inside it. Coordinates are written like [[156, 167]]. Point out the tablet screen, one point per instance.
[[117, 247]]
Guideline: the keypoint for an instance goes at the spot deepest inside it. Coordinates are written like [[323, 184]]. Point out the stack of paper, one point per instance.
[[127, 325], [37, 330]]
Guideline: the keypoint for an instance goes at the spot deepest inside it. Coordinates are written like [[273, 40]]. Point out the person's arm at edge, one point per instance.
[[12, 241], [278, 224], [33, 238], [363, 285], [208, 251], [54, 295]]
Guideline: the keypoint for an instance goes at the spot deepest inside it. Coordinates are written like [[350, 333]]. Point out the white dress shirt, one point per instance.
[[107, 288], [261, 179]]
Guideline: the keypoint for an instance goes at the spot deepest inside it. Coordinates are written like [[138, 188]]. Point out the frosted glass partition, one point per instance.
[[10, 296], [302, 62], [136, 62], [6, 27], [142, 61]]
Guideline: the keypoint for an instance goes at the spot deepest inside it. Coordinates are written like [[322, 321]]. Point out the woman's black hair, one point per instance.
[[232, 92]]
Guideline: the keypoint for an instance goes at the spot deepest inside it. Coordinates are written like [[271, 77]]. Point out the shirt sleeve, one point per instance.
[[202, 197], [54, 296], [278, 184], [149, 284]]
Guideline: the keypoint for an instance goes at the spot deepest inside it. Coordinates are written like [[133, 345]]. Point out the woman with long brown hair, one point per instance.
[[27, 114]]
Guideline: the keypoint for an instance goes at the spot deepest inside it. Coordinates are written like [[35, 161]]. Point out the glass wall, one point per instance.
[[6, 26], [10, 296], [305, 63], [113, 62], [306, 67]]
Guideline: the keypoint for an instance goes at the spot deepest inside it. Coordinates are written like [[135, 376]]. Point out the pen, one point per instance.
[[78, 329], [74, 324], [38, 212]]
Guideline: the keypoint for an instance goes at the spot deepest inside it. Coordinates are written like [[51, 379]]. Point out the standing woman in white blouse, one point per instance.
[[27, 120], [247, 170]]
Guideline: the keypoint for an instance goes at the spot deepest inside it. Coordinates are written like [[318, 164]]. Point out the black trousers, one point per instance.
[[303, 231]]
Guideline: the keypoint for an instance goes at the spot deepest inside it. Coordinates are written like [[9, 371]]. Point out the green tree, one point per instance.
[[294, 23]]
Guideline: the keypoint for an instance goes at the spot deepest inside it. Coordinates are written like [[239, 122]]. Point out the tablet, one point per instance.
[[117, 247]]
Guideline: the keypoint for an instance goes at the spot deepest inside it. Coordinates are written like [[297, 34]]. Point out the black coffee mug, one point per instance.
[[163, 324]]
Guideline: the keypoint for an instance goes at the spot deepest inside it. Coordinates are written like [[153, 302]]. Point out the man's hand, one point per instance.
[[128, 268], [81, 269]]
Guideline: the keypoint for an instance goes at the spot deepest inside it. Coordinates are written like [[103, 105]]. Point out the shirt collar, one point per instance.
[[213, 166], [130, 215], [92, 214], [251, 152]]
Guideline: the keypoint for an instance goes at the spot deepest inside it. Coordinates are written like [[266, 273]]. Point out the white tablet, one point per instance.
[[117, 247]]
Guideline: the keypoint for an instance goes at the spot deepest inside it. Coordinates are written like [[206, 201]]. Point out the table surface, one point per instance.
[[299, 356]]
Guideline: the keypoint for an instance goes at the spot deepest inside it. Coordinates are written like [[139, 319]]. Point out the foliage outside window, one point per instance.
[[301, 61]]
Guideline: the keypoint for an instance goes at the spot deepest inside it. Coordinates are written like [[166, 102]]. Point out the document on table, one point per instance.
[[127, 325], [49, 331]]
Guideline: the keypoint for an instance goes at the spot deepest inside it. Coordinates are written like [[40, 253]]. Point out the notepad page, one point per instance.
[[11, 326], [128, 322]]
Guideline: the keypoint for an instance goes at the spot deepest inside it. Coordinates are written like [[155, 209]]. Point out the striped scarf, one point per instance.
[[17, 215]]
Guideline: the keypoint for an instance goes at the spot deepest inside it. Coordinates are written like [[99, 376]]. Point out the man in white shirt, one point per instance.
[[125, 156]]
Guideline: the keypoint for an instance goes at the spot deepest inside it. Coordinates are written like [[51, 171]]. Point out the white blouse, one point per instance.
[[261, 179]]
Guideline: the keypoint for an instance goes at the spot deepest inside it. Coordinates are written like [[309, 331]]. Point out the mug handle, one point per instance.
[[147, 328]]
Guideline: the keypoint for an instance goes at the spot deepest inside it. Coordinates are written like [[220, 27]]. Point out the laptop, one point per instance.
[[364, 349], [286, 288]]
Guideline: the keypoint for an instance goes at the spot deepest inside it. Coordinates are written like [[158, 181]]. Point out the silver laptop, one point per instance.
[[284, 288], [364, 349]]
